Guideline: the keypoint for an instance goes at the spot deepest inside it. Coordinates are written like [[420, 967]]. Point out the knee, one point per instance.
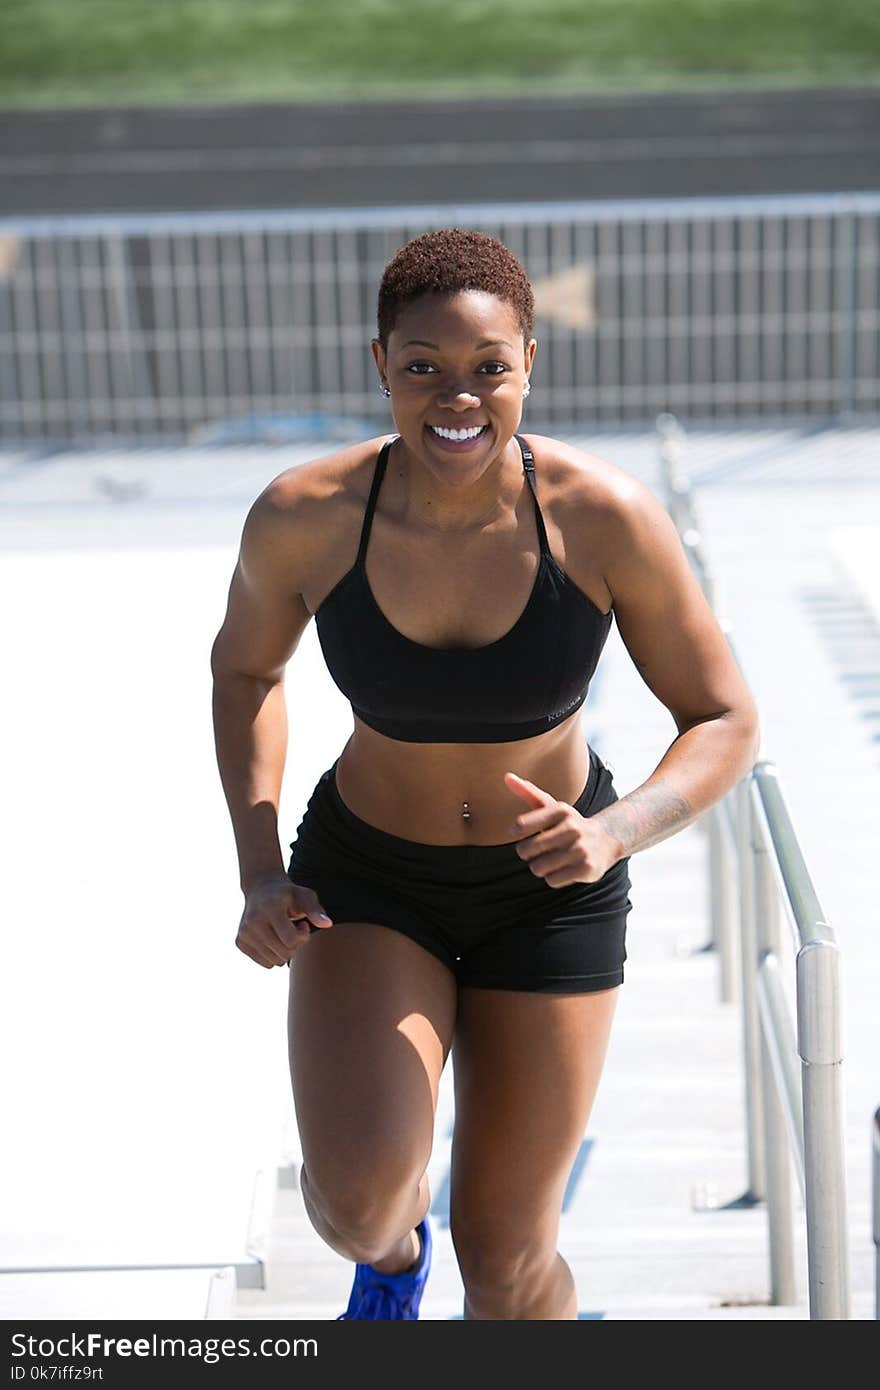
[[365, 1210], [502, 1271]]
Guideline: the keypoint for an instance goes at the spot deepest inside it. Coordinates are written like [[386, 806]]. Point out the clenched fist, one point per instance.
[[556, 841], [276, 917]]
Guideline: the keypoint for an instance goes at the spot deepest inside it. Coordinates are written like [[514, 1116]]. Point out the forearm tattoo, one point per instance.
[[646, 816]]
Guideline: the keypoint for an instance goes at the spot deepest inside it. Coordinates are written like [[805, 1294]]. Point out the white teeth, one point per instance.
[[458, 434]]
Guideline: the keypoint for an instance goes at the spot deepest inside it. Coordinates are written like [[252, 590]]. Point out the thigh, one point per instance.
[[527, 1068], [371, 1017]]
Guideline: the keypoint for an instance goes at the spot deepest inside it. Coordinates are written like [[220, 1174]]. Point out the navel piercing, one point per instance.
[[465, 811]]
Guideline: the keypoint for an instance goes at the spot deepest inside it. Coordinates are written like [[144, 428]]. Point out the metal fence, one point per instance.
[[717, 309], [793, 1079]]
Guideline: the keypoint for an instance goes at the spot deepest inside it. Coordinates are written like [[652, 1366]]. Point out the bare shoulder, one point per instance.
[[592, 492], [586, 500], [288, 541], [307, 491], [576, 478], [311, 506]]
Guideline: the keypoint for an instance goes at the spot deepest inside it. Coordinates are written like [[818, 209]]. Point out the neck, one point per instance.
[[438, 506]]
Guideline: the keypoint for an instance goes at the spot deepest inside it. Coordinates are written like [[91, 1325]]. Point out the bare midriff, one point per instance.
[[455, 793]]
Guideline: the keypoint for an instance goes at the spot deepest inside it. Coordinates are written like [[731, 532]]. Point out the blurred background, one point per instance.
[[197, 200], [679, 179]]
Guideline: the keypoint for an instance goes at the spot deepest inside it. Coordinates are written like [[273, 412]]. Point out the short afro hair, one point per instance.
[[447, 261]]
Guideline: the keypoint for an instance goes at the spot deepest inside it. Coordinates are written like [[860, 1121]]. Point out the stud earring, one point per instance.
[[527, 388], [384, 390]]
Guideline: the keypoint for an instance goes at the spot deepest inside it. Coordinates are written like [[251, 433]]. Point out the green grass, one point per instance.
[[59, 53]]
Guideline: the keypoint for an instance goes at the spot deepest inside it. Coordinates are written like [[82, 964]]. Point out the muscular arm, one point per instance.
[[682, 655], [264, 621]]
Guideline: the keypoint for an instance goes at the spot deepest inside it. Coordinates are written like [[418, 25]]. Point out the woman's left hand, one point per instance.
[[558, 843]]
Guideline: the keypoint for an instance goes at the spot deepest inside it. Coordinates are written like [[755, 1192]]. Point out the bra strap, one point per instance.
[[378, 474], [529, 469]]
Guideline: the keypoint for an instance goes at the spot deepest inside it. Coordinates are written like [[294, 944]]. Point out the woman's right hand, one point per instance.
[[276, 918]]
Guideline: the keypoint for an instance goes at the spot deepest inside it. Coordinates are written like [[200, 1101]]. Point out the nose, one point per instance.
[[458, 398]]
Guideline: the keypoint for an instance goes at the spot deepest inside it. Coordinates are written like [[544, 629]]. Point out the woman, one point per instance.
[[460, 874]]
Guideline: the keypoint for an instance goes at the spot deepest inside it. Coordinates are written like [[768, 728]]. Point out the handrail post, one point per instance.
[[876, 1167], [751, 1025], [819, 1044], [783, 1288], [721, 906]]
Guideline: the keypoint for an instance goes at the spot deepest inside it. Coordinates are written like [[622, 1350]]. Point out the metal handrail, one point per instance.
[[875, 1165], [752, 839]]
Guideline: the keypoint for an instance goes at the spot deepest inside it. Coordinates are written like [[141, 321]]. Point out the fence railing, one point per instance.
[[793, 1114], [717, 309]]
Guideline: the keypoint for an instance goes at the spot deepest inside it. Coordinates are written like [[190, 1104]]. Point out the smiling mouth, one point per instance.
[[458, 436]]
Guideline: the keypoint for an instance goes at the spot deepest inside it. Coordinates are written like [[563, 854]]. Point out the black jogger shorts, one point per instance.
[[477, 908]]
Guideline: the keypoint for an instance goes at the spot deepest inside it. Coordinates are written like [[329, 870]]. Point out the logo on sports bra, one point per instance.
[[570, 705]]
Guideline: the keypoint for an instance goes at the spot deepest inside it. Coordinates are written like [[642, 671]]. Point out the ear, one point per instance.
[[529, 355], [378, 354]]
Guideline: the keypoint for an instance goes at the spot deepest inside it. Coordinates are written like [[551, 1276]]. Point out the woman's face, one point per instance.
[[454, 363]]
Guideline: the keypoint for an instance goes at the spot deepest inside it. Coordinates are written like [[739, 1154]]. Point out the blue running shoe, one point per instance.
[[379, 1297]]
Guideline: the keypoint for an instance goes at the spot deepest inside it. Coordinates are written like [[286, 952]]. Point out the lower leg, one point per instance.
[[552, 1299], [515, 1141]]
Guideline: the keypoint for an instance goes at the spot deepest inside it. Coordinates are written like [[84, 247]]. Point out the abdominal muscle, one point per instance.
[[418, 791]]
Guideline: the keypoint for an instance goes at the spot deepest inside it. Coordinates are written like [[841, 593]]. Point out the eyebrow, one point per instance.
[[486, 343]]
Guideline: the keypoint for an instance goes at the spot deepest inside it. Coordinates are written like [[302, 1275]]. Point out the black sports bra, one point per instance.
[[534, 676]]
